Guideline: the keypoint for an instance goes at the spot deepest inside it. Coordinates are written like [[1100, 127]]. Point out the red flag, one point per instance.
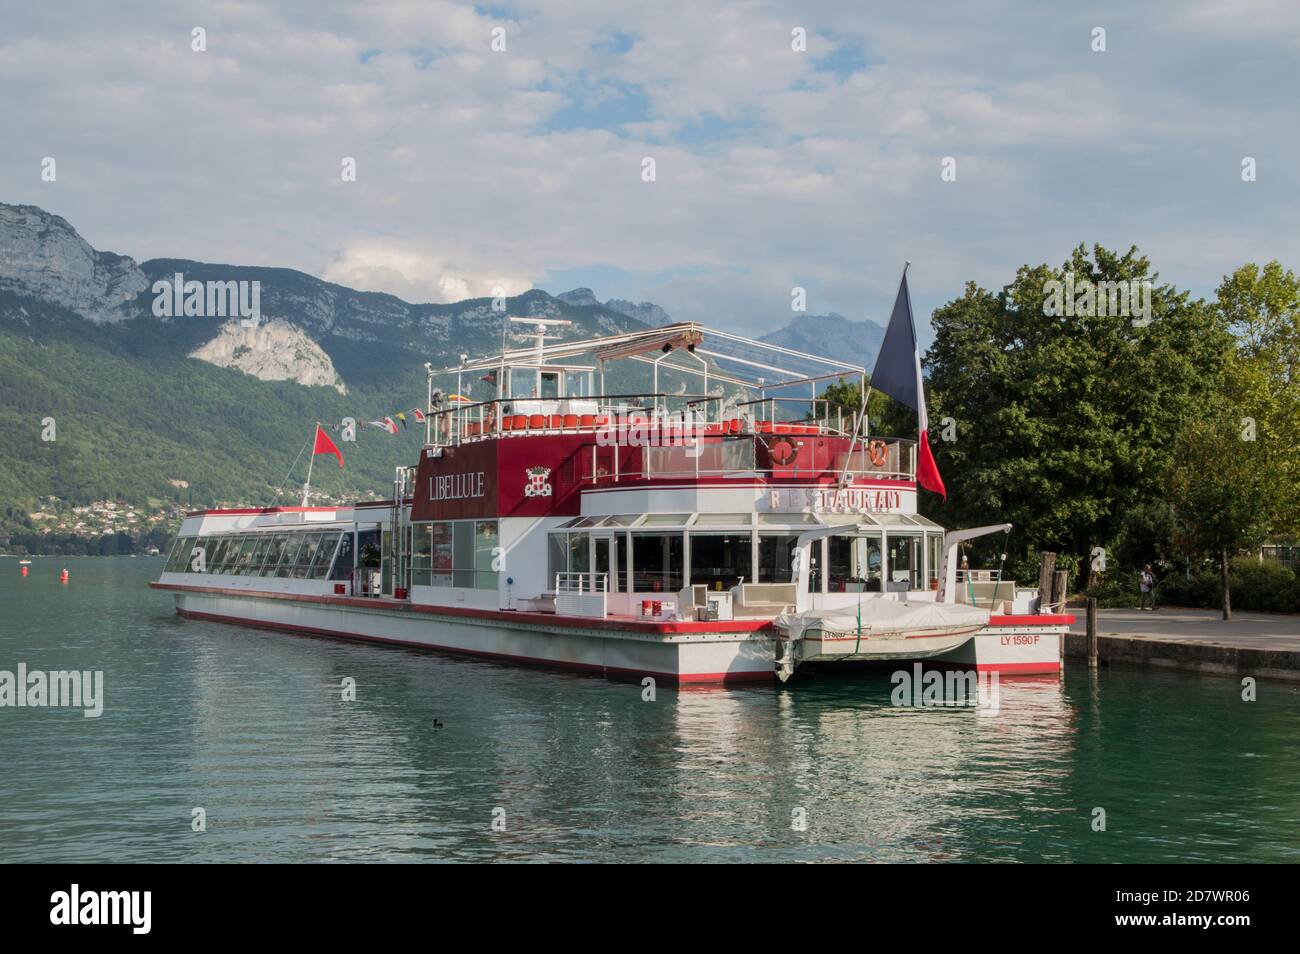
[[326, 446]]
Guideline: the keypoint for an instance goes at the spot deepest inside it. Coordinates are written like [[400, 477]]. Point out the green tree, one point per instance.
[[1262, 307], [1066, 422], [1219, 487]]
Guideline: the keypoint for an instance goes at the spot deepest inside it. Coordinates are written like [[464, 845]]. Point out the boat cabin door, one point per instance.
[[604, 563]]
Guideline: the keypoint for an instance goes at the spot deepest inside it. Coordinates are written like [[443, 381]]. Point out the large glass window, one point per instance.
[[657, 562], [721, 560], [441, 543], [342, 566], [319, 568], [298, 547], [557, 557], [462, 555], [421, 554], [485, 546], [550, 385], [904, 560], [245, 555], [853, 563], [180, 562], [934, 545], [274, 553], [456, 553], [776, 557], [523, 382]]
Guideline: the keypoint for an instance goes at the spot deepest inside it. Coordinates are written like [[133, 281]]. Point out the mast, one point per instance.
[[306, 488]]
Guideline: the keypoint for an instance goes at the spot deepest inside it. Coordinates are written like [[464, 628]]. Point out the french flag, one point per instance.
[[898, 374]]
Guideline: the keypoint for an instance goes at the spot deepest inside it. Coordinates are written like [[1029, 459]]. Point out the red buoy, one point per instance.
[[24, 571], [63, 577]]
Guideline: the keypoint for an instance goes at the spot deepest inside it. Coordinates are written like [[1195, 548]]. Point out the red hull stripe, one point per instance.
[[1029, 620], [678, 678], [740, 627]]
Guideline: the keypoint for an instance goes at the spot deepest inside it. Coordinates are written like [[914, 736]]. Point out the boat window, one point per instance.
[[274, 553], [523, 382], [550, 385], [934, 545], [666, 519], [341, 569], [904, 561], [261, 545], [624, 566], [557, 557], [216, 554], [621, 520], [721, 560], [485, 553], [299, 550], [776, 557], [723, 520], [179, 561], [853, 563], [319, 566], [462, 553], [441, 547], [421, 554], [579, 553], [657, 562]]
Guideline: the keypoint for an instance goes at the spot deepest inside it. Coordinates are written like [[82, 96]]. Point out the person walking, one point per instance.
[[1147, 588]]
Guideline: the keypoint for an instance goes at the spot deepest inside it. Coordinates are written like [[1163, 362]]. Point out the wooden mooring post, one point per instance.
[[1060, 590], [1092, 632], [1046, 571]]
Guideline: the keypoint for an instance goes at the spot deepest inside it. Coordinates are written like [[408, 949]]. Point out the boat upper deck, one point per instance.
[[739, 408]]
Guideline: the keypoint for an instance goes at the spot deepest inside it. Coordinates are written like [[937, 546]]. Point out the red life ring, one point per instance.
[[783, 451], [879, 453]]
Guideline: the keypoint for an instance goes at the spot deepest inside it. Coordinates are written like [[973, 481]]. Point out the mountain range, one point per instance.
[[149, 408]]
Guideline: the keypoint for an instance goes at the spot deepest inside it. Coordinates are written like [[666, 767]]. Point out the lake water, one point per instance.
[[251, 727]]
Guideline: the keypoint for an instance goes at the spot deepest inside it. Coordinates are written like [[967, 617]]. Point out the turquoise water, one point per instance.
[[251, 727]]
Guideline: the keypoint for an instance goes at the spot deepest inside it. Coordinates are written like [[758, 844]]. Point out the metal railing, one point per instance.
[[582, 582]]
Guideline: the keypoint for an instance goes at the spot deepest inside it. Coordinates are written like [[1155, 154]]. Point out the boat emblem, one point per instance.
[[537, 485]]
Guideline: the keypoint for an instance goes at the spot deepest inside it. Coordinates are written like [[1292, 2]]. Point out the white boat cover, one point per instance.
[[887, 619]]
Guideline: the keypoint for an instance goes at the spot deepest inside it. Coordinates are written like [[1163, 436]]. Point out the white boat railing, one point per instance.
[[582, 582]]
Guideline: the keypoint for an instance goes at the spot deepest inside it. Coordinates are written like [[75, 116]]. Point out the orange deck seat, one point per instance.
[[588, 420], [570, 420], [520, 421], [507, 422], [536, 420]]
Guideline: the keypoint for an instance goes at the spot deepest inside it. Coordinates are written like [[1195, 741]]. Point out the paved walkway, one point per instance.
[[1246, 630]]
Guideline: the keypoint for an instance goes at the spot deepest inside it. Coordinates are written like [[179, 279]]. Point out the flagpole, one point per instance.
[[310, 460]]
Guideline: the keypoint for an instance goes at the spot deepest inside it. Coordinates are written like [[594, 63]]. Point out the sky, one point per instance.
[[774, 167]]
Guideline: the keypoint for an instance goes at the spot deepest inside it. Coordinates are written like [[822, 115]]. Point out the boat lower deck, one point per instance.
[[678, 652]]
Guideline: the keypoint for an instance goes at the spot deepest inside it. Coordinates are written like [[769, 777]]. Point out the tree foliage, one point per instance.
[[1066, 422]]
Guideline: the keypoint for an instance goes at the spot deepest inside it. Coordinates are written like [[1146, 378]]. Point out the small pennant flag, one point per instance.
[[326, 446], [419, 415], [391, 425], [402, 417]]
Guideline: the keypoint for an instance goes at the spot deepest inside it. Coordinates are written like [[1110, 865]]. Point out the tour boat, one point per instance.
[[679, 503]]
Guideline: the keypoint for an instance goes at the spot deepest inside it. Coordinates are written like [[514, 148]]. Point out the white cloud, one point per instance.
[[464, 179]]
